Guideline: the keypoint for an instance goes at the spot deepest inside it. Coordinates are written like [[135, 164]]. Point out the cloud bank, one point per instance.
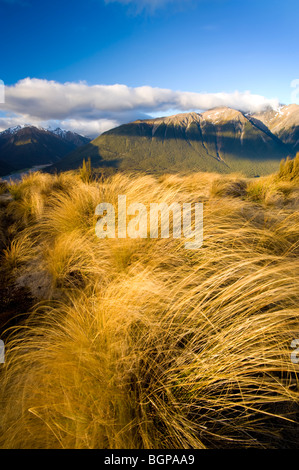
[[92, 109]]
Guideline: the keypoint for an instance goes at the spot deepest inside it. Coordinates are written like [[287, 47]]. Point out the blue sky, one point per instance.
[[174, 55]]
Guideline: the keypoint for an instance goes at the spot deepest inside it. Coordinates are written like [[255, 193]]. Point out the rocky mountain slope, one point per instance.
[[284, 123], [222, 139]]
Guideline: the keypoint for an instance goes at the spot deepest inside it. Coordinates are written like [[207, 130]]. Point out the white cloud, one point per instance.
[[93, 128], [94, 108]]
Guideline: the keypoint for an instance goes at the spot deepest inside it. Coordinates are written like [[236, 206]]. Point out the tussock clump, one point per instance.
[[19, 251], [32, 193], [3, 187], [151, 345], [229, 187], [289, 169], [272, 191]]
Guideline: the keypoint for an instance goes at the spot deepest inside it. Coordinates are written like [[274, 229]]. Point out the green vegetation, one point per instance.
[[185, 142], [86, 171]]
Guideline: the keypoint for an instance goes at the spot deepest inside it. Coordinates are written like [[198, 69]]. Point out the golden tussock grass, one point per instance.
[[140, 343]]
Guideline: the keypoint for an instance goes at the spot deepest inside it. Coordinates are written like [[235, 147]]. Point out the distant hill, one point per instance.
[[5, 168], [284, 123], [222, 140], [24, 147]]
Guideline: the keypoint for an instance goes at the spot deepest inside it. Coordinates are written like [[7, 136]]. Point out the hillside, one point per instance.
[[24, 147], [222, 140], [5, 168], [284, 123]]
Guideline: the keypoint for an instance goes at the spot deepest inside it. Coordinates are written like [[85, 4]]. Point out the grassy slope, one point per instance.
[[208, 148], [142, 343]]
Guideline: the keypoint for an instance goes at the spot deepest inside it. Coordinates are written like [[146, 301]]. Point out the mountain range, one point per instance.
[[26, 146], [224, 140], [220, 140]]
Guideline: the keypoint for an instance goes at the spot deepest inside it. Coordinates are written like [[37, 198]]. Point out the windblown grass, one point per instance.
[[142, 343]]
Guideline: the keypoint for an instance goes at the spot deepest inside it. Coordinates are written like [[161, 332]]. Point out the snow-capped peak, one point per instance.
[[15, 129], [62, 133], [12, 130], [57, 131]]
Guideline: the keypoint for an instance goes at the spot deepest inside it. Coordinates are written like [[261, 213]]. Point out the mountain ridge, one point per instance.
[[26, 146], [284, 123], [221, 139]]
